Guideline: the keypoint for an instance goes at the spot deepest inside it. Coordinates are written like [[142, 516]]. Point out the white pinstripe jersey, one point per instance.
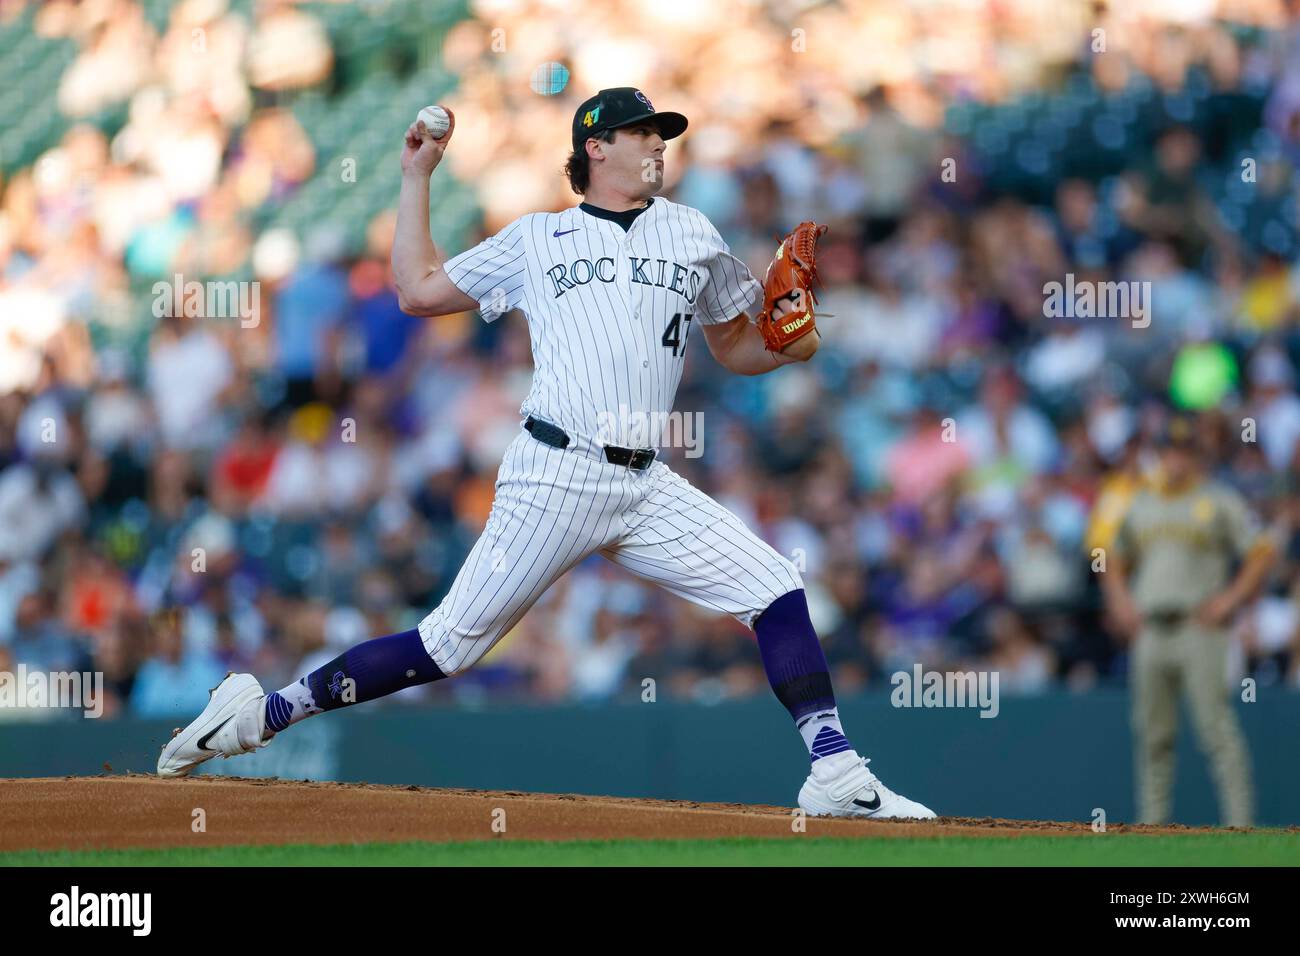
[[609, 312]]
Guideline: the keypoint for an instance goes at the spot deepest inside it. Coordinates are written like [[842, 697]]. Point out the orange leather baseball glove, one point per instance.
[[790, 277]]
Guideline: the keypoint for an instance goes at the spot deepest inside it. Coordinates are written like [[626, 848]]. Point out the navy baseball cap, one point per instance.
[[621, 106]]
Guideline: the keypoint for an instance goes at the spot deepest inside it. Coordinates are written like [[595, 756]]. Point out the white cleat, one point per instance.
[[842, 786], [231, 724]]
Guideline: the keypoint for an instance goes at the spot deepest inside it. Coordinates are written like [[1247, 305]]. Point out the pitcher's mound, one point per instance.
[[112, 812]]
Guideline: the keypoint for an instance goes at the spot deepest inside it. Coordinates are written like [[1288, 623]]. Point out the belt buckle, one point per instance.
[[638, 459], [641, 459]]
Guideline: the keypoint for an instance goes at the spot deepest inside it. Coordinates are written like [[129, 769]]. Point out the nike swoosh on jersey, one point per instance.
[[556, 234]]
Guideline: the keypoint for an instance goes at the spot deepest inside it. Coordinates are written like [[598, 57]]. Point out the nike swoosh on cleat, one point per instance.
[[203, 741], [873, 804], [556, 234]]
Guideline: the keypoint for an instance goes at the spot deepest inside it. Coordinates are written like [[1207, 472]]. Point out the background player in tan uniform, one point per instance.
[[1168, 580]]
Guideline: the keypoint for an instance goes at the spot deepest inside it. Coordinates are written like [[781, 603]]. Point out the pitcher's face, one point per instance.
[[634, 161]]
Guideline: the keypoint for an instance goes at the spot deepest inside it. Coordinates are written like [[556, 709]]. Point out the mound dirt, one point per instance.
[[136, 810]]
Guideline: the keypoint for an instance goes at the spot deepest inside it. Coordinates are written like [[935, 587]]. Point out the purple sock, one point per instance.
[[365, 672], [796, 669]]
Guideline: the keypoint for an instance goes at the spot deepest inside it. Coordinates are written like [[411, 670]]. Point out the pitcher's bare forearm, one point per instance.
[[423, 287], [739, 347], [751, 356], [415, 257]]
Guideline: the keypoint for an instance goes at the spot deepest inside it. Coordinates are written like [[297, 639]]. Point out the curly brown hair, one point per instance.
[[578, 166]]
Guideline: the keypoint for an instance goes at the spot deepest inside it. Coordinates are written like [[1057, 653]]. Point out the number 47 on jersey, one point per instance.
[[679, 327]]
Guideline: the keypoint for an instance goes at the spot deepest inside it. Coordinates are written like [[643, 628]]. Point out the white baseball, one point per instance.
[[435, 120]]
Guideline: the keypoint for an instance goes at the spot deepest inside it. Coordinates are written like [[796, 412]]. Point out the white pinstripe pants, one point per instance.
[[554, 507]]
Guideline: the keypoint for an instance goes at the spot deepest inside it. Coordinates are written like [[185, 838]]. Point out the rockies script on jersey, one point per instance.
[[609, 312]]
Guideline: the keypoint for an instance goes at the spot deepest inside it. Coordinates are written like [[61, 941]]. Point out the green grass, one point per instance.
[[1225, 849]]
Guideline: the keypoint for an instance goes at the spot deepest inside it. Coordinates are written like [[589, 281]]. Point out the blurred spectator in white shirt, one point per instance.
[[1274, 406]]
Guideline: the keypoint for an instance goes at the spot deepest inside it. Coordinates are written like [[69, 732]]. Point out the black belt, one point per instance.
[[638, 459], [1166, 618]]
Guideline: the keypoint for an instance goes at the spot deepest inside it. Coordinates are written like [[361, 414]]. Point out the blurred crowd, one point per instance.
[[211, 495]]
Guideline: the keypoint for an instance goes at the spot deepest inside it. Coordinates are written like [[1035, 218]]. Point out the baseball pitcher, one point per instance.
[[612, 289]]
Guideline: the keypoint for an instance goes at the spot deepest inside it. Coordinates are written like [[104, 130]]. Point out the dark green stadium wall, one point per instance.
[[1051, 757]]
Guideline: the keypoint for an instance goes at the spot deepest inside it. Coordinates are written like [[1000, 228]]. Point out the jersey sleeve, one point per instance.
[[1243, 530], [494, 272], [731, 288]]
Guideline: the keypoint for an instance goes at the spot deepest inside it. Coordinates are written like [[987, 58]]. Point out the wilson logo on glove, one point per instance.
[[797, 323], [790, 278]]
